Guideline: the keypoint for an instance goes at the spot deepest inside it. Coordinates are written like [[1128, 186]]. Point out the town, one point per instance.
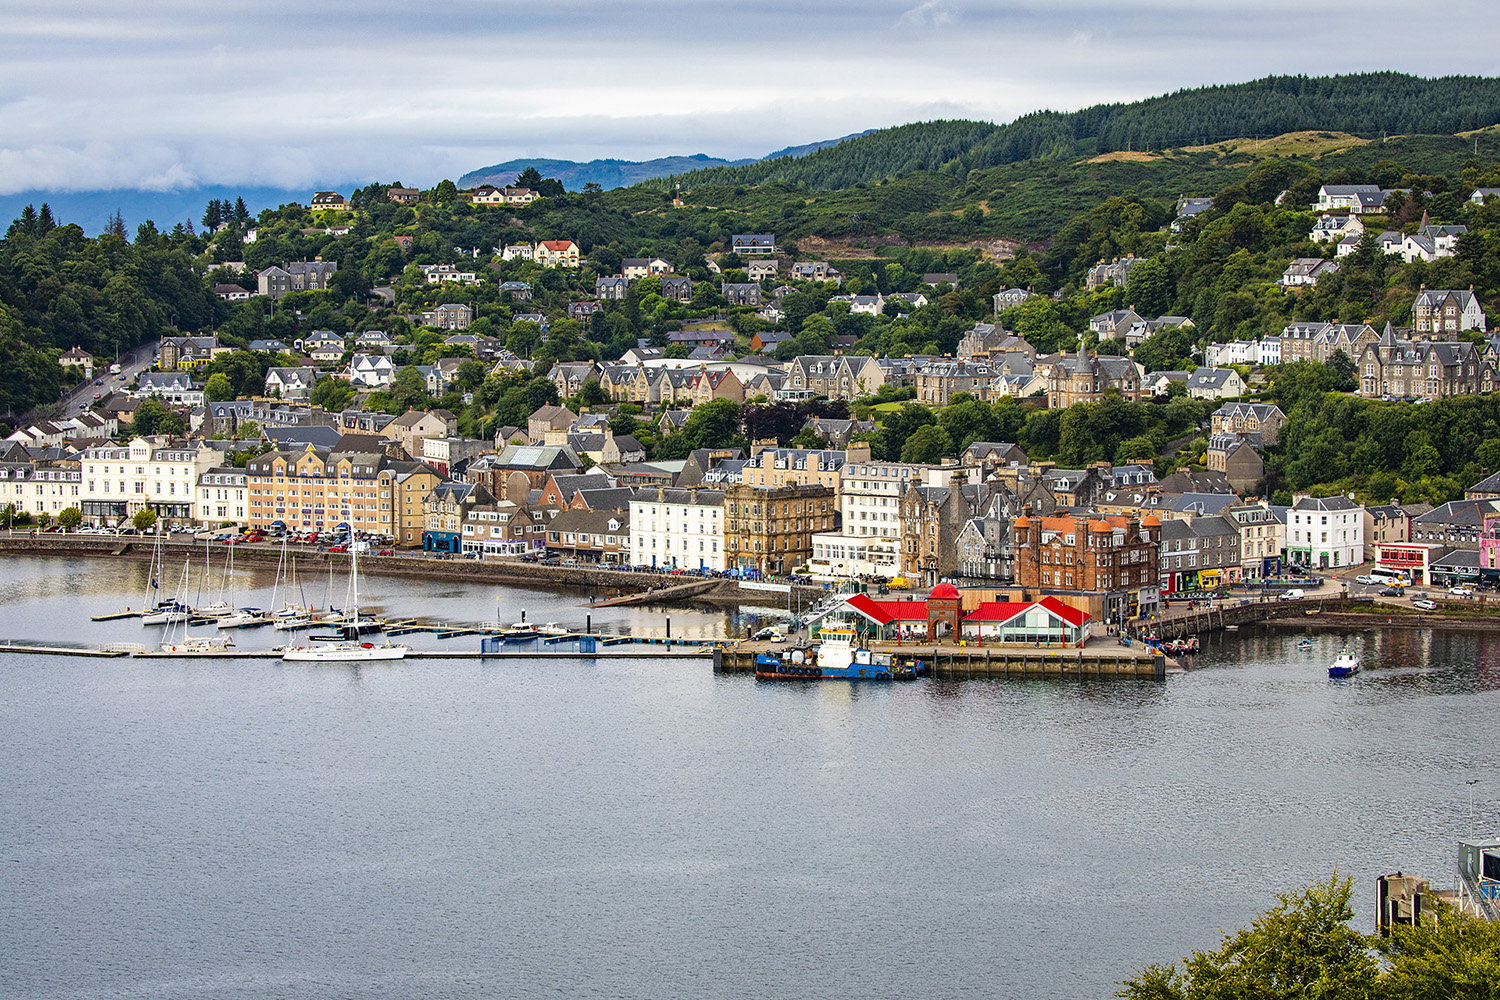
[[732, 448]]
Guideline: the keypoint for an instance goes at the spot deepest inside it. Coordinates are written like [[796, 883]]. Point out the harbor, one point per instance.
[[564, 783]]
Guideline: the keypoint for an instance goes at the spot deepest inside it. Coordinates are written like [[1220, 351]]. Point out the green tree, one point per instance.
[[1302, 947], [929, 444], [153, 417], [70, 517], [218, 388], [1454, 957], [144, 519]]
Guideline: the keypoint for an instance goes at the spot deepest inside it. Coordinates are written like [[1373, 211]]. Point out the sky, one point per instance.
[[167, 95]]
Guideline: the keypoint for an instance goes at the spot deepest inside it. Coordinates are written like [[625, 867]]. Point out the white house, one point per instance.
[[371, 371], [291, 383], [1326, 533]]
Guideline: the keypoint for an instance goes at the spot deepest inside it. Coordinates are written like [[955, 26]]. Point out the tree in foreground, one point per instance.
[[144, 519], [1455, 957], [1302, 947]]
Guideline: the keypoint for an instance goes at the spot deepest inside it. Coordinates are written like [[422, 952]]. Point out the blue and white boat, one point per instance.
[[1346, 664]]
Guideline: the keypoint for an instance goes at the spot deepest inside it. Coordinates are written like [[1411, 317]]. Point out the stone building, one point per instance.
[[769, 530]]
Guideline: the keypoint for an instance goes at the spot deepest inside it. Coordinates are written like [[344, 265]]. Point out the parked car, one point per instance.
[[1392, 592], [1365, 579], [1424, 604], [1461, 591], [1292, 595], [386, 552]]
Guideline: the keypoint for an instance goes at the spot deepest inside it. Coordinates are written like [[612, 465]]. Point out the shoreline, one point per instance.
[[590, 581]]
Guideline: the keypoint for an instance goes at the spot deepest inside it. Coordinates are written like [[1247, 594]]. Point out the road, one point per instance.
[[132, 363]]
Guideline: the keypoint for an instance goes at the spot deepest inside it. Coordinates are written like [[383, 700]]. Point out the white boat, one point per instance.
[[166, 613], [198, 644], [245, 618], [1345, 664], [345, 652], [551, 628], [186, 643], [520, 630], [348, 650]]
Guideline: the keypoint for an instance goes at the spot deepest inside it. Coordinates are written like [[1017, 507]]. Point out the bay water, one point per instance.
[[644, 828]]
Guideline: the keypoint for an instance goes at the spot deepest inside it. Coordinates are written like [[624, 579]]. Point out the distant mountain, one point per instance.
[[623, 173]]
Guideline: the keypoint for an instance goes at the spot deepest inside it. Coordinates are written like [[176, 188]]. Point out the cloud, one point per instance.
[[235, 95], [929, 13]]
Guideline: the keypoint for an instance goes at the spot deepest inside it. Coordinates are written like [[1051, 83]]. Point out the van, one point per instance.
[[1292, 595]]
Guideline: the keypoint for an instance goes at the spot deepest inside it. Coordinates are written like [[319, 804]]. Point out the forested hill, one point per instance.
[[1368, 104]]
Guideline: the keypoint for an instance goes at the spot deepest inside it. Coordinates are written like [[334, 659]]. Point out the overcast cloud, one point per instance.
[[168, 94]]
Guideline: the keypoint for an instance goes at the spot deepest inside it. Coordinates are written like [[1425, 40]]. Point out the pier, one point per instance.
[[955, 662]]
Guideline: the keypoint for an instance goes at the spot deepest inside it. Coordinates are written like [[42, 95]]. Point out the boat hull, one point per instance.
[[344, 653]]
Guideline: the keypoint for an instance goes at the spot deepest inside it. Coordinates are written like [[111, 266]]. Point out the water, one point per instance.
[[646, 829]]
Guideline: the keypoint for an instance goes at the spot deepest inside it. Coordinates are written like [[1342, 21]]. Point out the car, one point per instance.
[[98, 395], [1392, 592], [1365, 579], [1424, 604], [340, 547], [386, 552], [1461, 591], [99, 381]]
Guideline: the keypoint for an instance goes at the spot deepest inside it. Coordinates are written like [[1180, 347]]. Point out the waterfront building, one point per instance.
[[39, 486], [1107, 564], [768, 530], [320, 489], [1326, 533], [678, 529], [222, 497], [158, 474]]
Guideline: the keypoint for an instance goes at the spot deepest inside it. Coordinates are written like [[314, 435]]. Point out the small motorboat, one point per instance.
[[1346, 664], [551, 629], [1304, 643]]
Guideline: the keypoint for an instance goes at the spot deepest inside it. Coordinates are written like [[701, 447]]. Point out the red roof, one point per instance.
[[999, 612], [1066, 612], [885, 612], [943, 591]]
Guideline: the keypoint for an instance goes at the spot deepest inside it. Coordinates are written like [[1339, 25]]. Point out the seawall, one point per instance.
[[588, 581]]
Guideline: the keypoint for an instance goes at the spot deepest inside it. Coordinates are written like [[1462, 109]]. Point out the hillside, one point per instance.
[[1366, 105]]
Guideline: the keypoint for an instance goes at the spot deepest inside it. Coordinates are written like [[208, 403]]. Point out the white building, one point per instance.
[[148, 473], [38, 488], [678, 529], [1326, 533], [221, 496]]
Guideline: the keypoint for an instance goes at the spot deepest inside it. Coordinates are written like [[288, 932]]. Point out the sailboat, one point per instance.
[[163, 612], [238, 617], [188, 643], [220, 607], [349, 650]]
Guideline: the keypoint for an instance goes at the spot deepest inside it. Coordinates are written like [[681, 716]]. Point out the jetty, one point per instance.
[[962, 662]]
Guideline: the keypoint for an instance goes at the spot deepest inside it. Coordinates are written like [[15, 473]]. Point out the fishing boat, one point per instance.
[[348, 649], [838, 656], [1346, 664]]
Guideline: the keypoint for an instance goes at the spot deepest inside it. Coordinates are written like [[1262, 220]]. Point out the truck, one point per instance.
[[114, 369]]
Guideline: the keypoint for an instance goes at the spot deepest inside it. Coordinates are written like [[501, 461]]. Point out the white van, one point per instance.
[[1292, 595]]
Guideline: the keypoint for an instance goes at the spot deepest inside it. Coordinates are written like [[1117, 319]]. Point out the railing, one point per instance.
[[1486, 895]]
